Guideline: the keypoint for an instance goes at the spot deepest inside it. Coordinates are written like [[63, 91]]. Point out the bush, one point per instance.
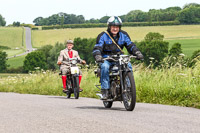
[[195, 58], [3, 65], [15, 70], [35, 60], [126, 24], [175, 50], [153, 48], [4, 47]]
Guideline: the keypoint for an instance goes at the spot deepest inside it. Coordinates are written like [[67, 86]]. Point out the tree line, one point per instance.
[[190, 14]]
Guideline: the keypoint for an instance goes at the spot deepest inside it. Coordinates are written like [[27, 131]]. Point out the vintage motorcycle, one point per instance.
[[122, 84], [72, 77]]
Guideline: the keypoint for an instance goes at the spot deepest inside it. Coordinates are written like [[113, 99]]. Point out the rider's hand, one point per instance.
[[83, 62], [139, 55], [98, 58], [59, 62]]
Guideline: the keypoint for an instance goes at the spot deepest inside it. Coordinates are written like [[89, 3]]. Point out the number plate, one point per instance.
[[74, 70]]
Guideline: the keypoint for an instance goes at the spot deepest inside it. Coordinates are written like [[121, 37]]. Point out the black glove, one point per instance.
[[98, 58], [139, 55]]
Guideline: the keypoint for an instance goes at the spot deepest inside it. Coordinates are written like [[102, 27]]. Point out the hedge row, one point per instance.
[[4, 47], [126, 24]]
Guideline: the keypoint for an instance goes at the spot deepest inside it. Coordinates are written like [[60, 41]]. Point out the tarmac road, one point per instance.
[[25, 113]]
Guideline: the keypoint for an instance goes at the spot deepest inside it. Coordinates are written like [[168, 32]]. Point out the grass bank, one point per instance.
[[173, 86], [16, 61]]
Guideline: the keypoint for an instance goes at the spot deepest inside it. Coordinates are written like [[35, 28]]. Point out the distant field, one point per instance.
[[16, 61], [11, 36], [188, 45], [43, 37], [13, 52]]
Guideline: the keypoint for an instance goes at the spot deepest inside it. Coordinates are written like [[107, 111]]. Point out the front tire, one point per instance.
[[129, 92], [76, 87], [107, 104]]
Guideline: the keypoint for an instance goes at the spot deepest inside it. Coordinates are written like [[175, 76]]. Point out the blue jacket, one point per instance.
[[104, 45]]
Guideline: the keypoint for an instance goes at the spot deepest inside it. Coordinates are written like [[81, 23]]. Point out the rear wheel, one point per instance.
[[129, 92], [76, 87]]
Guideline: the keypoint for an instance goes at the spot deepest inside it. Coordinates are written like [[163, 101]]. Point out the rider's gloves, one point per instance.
[[98, 58], [59, 63], [139, 55]]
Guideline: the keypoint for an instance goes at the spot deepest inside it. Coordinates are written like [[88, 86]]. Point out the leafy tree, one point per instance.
[[2, 21], [104, 19], [38, 21], [154, 36], [17, 24], [46, 50], [84, 47], [189, 15], [3, 65], [191, 5], [153, 48], [175, 50], [33, 60], [53, 55]]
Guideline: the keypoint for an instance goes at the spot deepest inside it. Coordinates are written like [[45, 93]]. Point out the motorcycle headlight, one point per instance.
[[74, 62], [126, 59]]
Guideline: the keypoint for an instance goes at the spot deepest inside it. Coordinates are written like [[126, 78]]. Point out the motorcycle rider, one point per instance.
[[65, 68], [105, 46]]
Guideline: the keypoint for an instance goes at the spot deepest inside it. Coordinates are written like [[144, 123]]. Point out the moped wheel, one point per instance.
[[76, 87], [107, 104], [129, 92], [69, 86], [68, 94]]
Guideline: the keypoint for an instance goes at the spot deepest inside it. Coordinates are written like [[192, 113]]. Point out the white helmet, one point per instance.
[[114, 21]]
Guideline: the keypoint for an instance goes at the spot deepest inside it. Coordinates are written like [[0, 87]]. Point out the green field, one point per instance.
[[11, 37], [187, 35], [188, 45], [43, 37], [13, 52], [16, 61]]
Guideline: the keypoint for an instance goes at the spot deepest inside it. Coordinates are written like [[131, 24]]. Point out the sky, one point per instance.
[[25, 11]]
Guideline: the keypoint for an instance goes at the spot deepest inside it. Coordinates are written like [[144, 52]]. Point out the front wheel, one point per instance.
[[129, 92], [107, 104], [76, 87]]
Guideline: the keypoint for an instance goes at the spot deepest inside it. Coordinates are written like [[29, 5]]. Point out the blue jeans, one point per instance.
[[105, 80]]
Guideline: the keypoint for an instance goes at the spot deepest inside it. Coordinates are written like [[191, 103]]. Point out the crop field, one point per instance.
[[11, 37], [43, 37], [188, 45], [187, 35]]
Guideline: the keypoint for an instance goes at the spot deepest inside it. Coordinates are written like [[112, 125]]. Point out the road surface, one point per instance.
[[25, 113]]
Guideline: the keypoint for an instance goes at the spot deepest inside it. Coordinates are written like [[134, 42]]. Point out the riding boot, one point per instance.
[[105, 94]]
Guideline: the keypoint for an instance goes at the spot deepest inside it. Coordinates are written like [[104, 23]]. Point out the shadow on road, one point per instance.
[[101, 108], [64, 97]]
